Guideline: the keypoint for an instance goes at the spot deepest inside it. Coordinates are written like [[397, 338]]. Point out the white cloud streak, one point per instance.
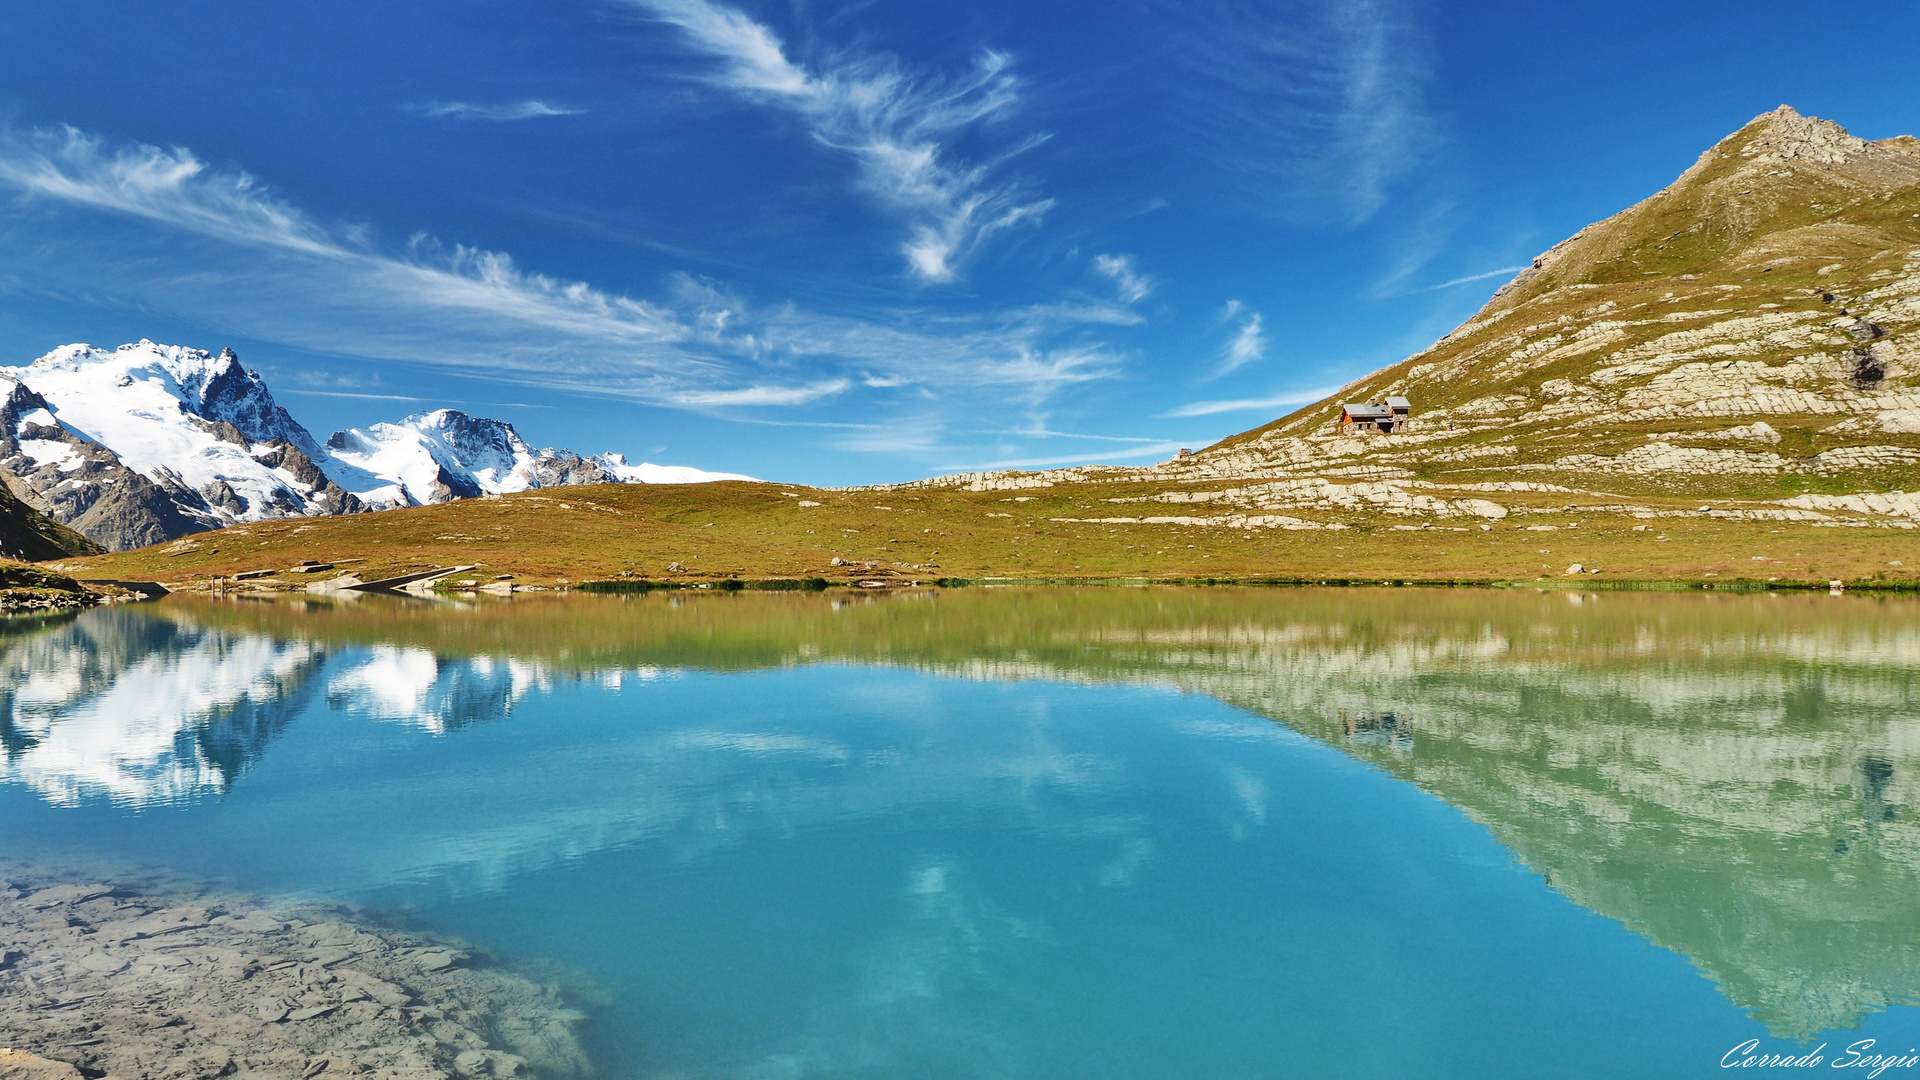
[[1249, 342], [1505, 271], [1245, 348], [896, 127], [1155, 450], [1132, 285], [764, 395], [1214, 408], [1317, 104], [222, 246], [497, 113]]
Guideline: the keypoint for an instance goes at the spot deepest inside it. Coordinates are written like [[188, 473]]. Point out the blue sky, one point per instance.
[[850, 242]]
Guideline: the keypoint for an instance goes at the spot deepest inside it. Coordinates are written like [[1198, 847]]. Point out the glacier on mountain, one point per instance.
[[149, 442], [445, 454]]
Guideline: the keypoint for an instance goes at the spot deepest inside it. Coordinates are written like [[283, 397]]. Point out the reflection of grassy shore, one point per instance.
[[759, 531], [1731, 775]]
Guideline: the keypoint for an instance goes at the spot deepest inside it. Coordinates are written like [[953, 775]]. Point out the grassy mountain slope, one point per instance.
[[1722, 381], [718, 531], [28, 534], [1746, 333]]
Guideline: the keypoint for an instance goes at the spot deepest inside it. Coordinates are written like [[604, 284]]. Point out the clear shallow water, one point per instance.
[[1051, 833]]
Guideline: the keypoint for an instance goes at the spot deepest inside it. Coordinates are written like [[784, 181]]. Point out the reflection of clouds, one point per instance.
[[391, 684], [926, 989], [761, 744], [142, 711], [1134, 854], [1779, 756], [706, 765], [1251, 791]]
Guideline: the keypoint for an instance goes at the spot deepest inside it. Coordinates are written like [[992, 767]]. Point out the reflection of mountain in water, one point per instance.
[[414, 686], [146, 710], [1747, 799], [1738, 778], [142, 710]]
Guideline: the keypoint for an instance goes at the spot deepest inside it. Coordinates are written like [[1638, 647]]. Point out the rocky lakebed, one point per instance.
[[146, 978]]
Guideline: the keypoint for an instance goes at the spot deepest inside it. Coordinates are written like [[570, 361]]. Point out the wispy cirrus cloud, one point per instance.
[[1505, 271], [898, 127], [174, 188], [764, 395], [1132, 285], [1248, 344], [1318, 105], [493, 112], [1278, 401], [216, 243]]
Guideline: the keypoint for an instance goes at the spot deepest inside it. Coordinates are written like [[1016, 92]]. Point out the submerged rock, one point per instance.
[[159, 981]]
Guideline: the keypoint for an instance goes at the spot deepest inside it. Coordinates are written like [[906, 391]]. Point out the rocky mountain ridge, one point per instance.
[[147, 443], [1744, 339]]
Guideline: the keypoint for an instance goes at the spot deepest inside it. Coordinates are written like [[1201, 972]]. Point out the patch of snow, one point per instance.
[[648, 473], [44, 452], [434, 456]]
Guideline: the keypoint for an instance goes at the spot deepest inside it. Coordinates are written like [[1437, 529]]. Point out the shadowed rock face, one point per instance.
[[236, 396]]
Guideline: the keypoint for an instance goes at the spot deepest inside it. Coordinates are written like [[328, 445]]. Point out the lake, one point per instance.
[[1115, 833]]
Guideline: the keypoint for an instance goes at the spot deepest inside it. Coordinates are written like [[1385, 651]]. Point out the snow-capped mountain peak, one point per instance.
[[434, 456], [165, 380], [430, 457], [151, 441], [148, 442]]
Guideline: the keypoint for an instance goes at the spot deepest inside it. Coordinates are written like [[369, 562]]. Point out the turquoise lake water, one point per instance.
[[1049, 834]]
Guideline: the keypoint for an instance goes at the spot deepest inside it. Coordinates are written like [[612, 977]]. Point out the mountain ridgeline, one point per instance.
[[1742, 338], [148, 443]]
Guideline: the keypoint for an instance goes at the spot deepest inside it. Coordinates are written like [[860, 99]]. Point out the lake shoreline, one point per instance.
[[221, 586], [756, 533]]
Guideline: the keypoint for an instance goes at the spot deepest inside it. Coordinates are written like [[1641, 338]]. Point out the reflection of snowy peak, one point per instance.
[[445, 454], [149, 442], [143, 711], [415, 687]]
